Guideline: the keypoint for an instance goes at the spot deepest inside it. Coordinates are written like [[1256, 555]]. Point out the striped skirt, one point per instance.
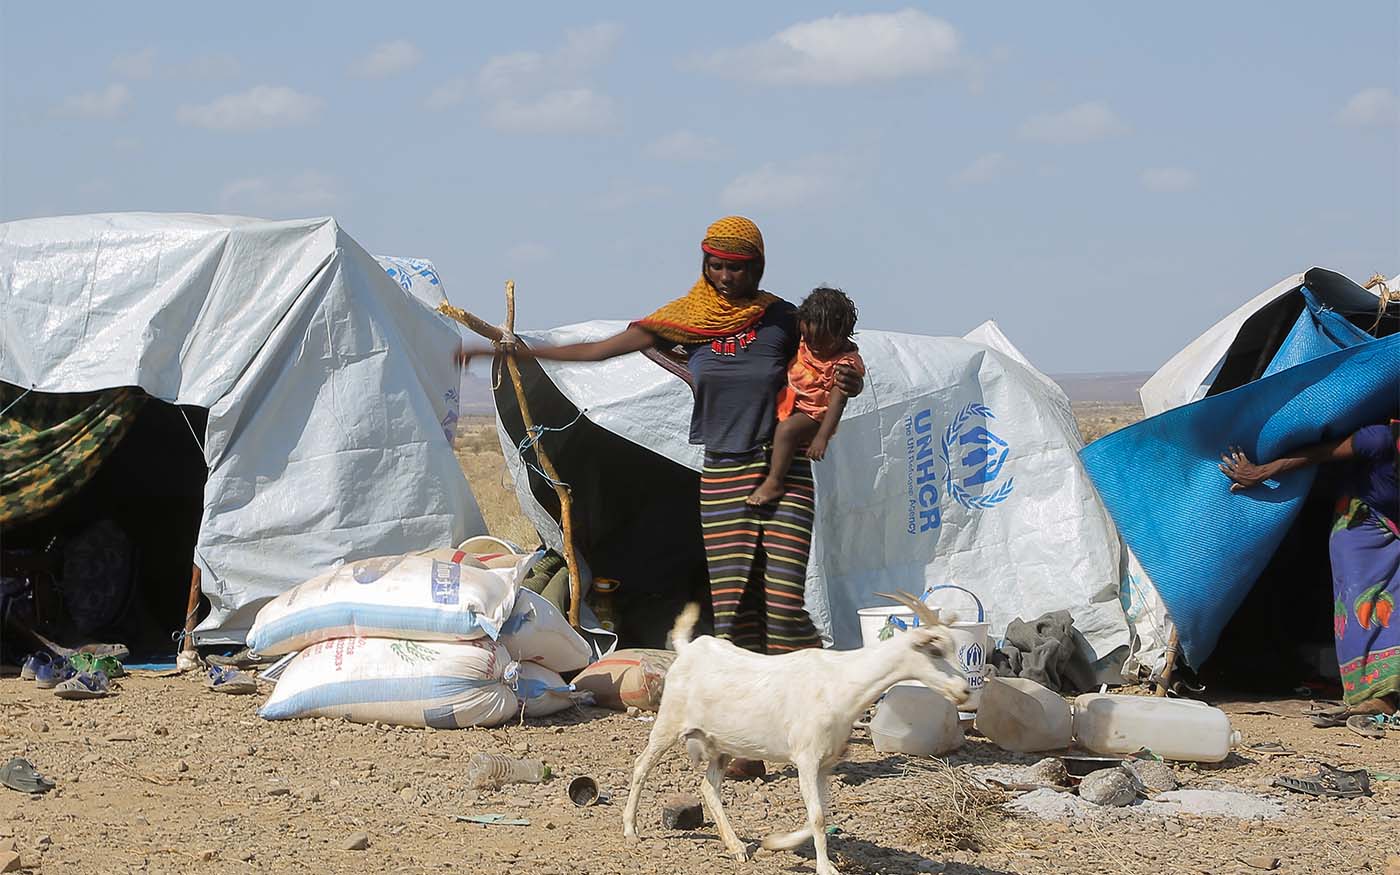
[[757, 556]]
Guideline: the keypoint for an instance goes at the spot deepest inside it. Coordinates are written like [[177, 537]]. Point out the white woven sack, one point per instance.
[[443, 685], [414, 597], [537, 632]]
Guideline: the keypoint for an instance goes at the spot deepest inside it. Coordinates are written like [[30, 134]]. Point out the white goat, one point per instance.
[[724, 702]]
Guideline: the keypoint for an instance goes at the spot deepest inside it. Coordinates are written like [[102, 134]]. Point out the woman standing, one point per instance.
[[738, 341], [1365, 552]]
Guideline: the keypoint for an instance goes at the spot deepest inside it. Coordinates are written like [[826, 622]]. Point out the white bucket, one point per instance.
[[971, 639]]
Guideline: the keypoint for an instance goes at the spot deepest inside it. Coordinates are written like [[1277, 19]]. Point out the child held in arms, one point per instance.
[[810, 406]]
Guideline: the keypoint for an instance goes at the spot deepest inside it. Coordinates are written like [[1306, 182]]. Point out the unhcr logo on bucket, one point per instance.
[[971, 457]]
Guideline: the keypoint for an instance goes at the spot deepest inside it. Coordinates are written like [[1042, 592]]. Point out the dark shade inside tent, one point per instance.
[[111, 561], [636, 515]]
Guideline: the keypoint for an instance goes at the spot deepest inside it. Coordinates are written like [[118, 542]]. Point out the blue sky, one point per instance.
[[1103, 179]]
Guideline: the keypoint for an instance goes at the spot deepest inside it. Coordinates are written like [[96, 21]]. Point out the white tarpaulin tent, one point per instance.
[[330, 386], [958, 464]]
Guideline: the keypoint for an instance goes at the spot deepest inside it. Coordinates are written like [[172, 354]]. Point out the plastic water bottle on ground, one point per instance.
[[1021, 715], [1173, 729], [915, 720], [490, 771]]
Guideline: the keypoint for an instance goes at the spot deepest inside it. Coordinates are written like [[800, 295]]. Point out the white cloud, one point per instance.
[[584, 50], [388, 59], [775, 187], [1084, 123], [135, 65], [264, 106], [108, 102], [684, 146], [283, 197], [844, 49], [986, 168], [1168, 179], [541, 92], [529, 253], [570, 111], [1371, 108], [449, 93]]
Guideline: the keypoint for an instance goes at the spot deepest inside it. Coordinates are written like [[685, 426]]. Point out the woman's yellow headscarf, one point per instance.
[[703, 313]]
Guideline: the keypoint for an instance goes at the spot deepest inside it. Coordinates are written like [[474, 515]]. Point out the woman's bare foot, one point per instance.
[[766, 493], [1384, 705]]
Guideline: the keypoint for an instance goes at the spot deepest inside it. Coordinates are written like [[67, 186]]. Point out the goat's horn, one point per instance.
[[928, 616]]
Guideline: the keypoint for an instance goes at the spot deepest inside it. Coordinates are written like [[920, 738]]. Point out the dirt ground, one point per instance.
[[166, 776]]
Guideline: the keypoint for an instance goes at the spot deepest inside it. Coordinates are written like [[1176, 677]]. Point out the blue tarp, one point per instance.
[[1204, 546]]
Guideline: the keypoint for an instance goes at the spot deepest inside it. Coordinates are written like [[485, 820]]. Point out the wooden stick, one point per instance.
[[1165, 681], [491, 332], [480, 326]]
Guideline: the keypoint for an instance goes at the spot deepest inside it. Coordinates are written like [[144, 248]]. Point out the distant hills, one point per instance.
[[1111, 388]]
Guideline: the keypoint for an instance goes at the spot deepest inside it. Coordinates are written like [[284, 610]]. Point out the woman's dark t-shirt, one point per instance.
[[737, 380], [1375, 473]]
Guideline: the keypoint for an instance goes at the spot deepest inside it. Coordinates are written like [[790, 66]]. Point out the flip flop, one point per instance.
[[20, 774], [1328, 781], [1367, 725], [231, 681], [83, 685], [1330, 719]]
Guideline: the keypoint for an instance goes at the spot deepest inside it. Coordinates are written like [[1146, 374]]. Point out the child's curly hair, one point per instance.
[[830, 312]]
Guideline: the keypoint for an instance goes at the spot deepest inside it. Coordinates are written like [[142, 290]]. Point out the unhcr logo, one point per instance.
[[970, 456]]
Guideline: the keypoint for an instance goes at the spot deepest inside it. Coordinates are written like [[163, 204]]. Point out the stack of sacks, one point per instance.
[[415, 640]]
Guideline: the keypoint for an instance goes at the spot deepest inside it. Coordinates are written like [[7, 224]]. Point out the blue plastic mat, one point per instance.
[[1203, 546]]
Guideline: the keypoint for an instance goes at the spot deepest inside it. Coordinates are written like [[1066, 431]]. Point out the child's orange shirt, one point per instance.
[[810, 380]]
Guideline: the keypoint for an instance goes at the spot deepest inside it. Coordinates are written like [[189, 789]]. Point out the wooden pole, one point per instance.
[[1165, 681], [491, 332]]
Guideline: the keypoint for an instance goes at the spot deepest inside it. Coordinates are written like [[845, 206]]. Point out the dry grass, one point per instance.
[[954, 812], [479, 453], [1097, 419]]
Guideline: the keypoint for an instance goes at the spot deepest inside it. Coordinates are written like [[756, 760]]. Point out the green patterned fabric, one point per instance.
[[52, 444]]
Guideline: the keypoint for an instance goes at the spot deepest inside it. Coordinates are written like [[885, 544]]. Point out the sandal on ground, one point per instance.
[[1329, 719], [33, 663], [51, 674], [20, 774], [244, 658], [1371, 725], [230, 680], [1328, 781], [83, 685], [87, 663]]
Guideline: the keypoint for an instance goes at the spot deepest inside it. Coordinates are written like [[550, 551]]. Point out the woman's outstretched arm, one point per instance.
[[1245, 474], [634, 339]]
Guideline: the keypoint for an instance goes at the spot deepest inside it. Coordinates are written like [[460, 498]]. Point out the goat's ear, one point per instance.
[[932, 645]]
